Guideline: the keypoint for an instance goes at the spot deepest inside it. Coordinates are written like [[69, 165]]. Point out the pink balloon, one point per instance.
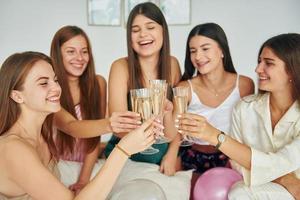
[[215, 184]]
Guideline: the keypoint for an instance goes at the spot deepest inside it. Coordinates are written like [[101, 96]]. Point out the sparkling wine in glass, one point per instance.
[[133, 99], [142, 104], [180, 102], [158, 96], [144, 107]]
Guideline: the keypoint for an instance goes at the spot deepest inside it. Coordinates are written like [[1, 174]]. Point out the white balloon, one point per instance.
[[139, 189]]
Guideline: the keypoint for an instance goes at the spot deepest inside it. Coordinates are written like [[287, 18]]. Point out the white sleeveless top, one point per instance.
[[220, 116]]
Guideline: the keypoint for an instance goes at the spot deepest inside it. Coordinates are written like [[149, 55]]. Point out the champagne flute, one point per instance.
[[141, 103], [180, 101], [158, 96]]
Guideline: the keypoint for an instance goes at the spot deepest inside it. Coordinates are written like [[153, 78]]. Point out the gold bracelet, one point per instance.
[[121, 149]]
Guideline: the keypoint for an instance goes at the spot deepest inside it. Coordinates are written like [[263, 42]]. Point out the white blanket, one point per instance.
[[175, 187]]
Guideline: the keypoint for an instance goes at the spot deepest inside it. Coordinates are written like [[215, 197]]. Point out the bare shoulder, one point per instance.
[[174, 61], [175, 67], [120, 64], [103, 87], [119, 73], [13, 142], [183, 84], [20, 158], [101, 80], [17, 157], [15, 151], [246, 85], [119, 70], [175, 71]]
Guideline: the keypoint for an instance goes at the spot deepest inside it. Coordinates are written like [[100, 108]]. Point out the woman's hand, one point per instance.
[[169, 164], [124, 121], [168, 107], [291, 183], [142, 137], [196, 126], [79, 185]]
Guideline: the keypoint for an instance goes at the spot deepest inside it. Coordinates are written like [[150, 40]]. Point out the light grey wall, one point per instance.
[[31, 24]]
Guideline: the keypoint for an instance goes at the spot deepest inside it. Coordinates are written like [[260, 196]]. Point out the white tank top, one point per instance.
[[220, 116]]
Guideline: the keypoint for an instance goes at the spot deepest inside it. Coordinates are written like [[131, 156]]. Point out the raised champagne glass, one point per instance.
[[180, 104], [141, 103], [158, 96]]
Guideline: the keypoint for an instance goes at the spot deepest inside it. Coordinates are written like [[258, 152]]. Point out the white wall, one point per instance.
[[31, 24]]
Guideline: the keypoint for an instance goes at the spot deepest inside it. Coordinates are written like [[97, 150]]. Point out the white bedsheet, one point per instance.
[[175, 187]]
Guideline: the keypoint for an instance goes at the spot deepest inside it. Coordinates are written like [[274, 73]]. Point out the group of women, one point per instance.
[[54, 108]]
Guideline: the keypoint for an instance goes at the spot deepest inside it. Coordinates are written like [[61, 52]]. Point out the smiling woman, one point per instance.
[[270, 75], [214, 89], [265, 127], [28, 101], [83, 96], [148, 59], [36, 78], [75, 56], [146, 36]]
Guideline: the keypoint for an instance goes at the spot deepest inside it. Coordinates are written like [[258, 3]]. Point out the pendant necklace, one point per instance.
[[216, 94], [146, 77]]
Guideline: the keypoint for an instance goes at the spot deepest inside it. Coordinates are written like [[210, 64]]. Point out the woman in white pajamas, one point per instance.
[[264, 141]]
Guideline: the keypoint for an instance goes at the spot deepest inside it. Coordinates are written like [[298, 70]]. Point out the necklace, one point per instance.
[[214, 92], [211, 89], [147, 77], [222, 90]]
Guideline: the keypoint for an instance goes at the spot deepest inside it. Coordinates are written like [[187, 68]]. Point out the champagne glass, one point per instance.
[[141, 103], [158, 96], [180, 101]]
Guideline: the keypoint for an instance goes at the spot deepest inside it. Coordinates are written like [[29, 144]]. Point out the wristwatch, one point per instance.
[[221, 139]]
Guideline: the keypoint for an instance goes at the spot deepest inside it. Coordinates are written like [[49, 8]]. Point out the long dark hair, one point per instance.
[[287, 48], [13, 73], [151, 11], [216, 33], [89, 88]]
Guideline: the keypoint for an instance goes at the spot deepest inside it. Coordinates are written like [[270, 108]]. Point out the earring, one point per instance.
[[222, 56], [195, 72], [290, 80]]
